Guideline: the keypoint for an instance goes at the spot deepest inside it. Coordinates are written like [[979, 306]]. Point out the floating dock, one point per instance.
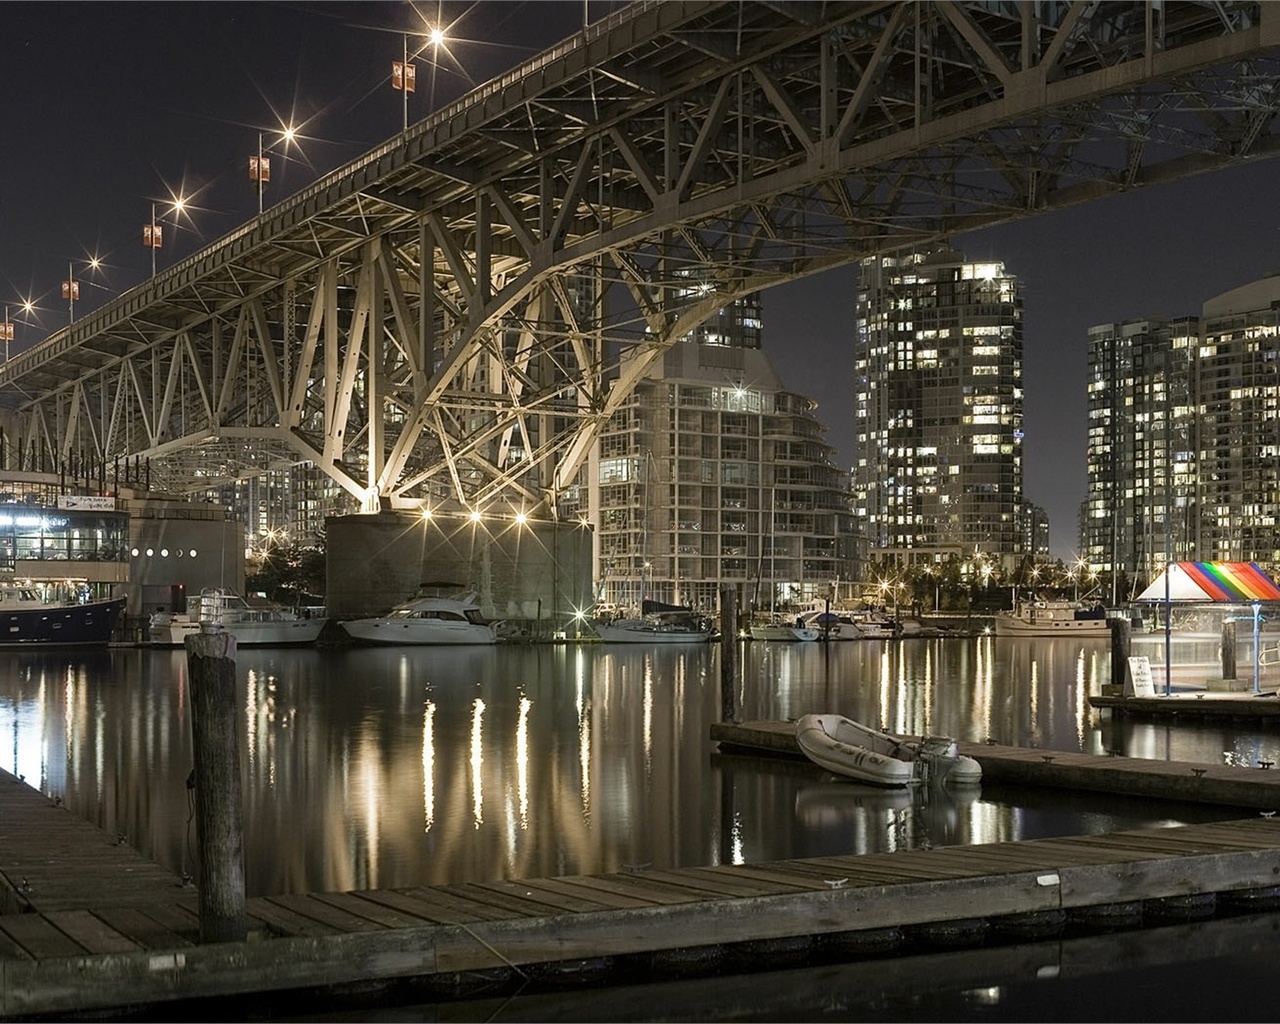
[[96, 928], [1192, 704], [1225, 785]]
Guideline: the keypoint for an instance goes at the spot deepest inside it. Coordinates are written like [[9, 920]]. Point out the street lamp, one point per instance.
[[6, 333], [404, 73], [71, 287], [404, 77], [153, 232], [71, 292], [260, 165]]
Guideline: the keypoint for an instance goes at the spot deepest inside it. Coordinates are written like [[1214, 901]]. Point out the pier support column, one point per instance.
[[728, 653], [1229, 649], [211, 669]]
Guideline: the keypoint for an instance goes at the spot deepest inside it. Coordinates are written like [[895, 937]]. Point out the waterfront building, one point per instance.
[[939, 408], [1183, 457], [713, 473], [1140, 461]]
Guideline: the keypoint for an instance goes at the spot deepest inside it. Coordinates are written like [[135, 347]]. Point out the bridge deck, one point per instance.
[[110, 953]]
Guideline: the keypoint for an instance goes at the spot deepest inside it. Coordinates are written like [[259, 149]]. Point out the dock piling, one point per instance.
[[728, 653], [1121, 634], [211, 668]]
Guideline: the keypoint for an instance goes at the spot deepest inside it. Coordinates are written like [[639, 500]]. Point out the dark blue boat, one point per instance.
[[26, 618]]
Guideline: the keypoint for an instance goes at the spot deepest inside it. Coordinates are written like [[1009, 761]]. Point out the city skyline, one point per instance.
[[128, 105]]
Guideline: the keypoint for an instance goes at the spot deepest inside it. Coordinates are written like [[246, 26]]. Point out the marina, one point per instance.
[[76, 940], [389, 770]]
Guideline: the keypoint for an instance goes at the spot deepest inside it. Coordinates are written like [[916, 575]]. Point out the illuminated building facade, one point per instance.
[[713, 473], [938, 408], [1140, 459], [1184, 436]]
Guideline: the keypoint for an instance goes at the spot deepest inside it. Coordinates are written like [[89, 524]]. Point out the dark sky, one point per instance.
[[110, 106]]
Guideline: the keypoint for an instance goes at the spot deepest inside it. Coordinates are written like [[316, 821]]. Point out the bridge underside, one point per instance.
[[442, 321]]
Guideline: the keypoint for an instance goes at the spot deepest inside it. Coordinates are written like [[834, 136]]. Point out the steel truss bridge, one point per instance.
[[444, 320]]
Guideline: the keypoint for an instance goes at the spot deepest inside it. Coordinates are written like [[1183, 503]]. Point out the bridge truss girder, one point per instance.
[[444, 319]]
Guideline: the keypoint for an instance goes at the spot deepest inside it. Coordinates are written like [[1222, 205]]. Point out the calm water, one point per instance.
[[385, 767]]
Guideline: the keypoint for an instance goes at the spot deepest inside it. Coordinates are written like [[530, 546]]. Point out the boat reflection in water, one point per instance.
[[387, 766]]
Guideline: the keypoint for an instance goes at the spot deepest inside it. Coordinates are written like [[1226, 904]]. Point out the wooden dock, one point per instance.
[[1226, 785], [1193, 704], [94, 946]]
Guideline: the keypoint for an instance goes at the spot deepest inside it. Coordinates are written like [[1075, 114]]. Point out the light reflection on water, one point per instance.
[[388, 767]]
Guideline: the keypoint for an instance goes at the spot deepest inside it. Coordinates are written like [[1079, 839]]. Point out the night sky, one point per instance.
[[111, 106]]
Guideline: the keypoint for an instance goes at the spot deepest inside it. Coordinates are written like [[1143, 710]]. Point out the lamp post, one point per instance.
[[153, 232], [404, 77], [71, 292], [260, 165], [6, 333]]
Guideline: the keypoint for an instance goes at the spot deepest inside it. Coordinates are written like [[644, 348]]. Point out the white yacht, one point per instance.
[[253, 622], [437, 614]]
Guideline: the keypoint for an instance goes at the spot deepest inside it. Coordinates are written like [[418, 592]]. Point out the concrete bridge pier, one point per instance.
[[535, 574]]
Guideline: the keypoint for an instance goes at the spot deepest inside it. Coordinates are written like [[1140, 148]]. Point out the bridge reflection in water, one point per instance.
[[399, 766]]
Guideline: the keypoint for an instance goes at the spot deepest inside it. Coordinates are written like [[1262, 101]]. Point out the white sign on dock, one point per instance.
[[1139, 682]]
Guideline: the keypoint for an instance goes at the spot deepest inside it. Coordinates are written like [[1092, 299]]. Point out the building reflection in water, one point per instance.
[[395, 767]]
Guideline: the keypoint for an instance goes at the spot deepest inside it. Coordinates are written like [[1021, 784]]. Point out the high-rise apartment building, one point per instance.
[[714, 473], [1184, 436], [1140, 463], [938, 407]]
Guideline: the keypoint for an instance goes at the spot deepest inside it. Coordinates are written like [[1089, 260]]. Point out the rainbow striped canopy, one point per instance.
[[1236, 582]]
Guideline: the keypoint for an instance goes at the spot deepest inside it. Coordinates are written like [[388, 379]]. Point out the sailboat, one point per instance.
[[776, 628]]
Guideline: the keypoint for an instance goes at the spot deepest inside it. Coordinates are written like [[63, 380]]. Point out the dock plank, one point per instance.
[[369, 910], [449, 900], [91, 932], [142, 929], [323, 912], [550, 900], [432, 911], [721, 882], [654, 894], [605, 899], [286, 922], [38, 937]]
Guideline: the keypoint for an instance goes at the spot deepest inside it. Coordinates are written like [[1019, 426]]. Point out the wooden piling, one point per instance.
[[728, 653], [1121, 633], [1229, 649], [211, 668]]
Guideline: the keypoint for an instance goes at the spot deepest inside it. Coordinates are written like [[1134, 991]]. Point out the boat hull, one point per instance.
[[778, 631], [1010, 625], [54, 625], [852, 749], [419, 632], [642, 633], [841, 751], [288, 633]]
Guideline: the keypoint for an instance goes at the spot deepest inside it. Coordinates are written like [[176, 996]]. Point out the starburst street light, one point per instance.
[[153, 233], [404, 73], [71, 287], [260, 165]]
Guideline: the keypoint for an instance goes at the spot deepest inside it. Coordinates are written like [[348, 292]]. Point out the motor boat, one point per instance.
[[254, 622], [31, 615], [857, 751], [835, 624], [658, 624], [436, 614], [777, 629], [1053, 618]]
